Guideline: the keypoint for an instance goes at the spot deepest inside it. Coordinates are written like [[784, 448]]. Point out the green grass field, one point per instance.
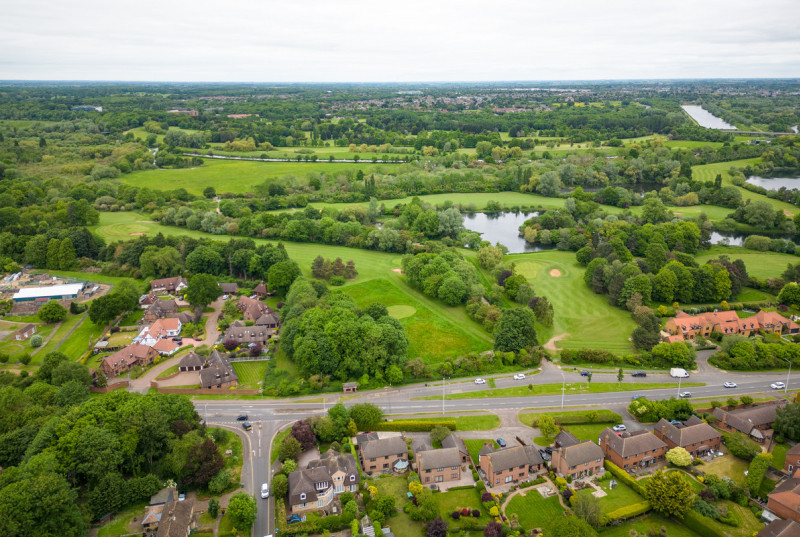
[[779, 455], [620, 496], [239, 176], [603, 416], [251, 374], [555, 389], [482, 422], [728, 466], [475, 445], [533, 510], [647, 524], [762, 265], [81, 340], [60, 333], [576, 307], [15, 349], [588, 431]]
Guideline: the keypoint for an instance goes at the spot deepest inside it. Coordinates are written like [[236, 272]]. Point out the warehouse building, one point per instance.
[[51, 292]]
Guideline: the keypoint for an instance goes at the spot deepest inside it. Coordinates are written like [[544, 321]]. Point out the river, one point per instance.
[[776, 183], [705, 118]]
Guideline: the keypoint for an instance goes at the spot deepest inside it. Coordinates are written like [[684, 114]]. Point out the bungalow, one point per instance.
[[784, 500], [219, 373], [695, 435], [160, 329], [454, 441], [754, 421], [315, 487], [630, 451], [781, 528], [25, 332], [124, 359], [513, 464], [439, 465], [579, 460], [191, 362], [381, 455], [168, 285], [792, 462]]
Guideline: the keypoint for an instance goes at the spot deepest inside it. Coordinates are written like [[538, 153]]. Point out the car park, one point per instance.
[[480, 381], [777, 385], [265, 490], [501, 442], [619, 428], [247, 426], [685, 395], [519, 376], [242, 417], [638, 374], [729, 385]]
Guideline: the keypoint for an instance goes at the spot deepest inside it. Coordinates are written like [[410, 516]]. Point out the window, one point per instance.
[[509, 478], [439, 469], [372, 459], [453, 476], [301, 505], [352, 477], [439, 479], [454, 467], [427, 479], [386, 465], [320, 503], [497, 481], [302, 495]]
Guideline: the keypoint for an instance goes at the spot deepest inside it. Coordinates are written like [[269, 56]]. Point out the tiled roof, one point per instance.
[[176, 518], [685, 436], [456, 442], [787, 494], [439, 458], [781, 528], [565, 438], [191, 360], [582, 453], [635, 444], [383, 447]]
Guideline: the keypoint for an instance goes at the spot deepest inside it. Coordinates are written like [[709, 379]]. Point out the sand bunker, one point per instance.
[[555, 273], [397, 270]]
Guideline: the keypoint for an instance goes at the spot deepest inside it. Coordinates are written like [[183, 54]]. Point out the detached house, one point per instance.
[[438, 465], [25, 332], [121, 361], [630, 451], [510, 465], [316, 487], [261, 290], [219, 373], [160, 329], [579, 460], [160, 309], [258, 312], [168, 285], [382, 455], [695, 436], [229, 288], [754, 421], [245, 335], [454, 441]]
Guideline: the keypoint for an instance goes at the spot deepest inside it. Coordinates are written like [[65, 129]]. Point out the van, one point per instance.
[[678, 372]]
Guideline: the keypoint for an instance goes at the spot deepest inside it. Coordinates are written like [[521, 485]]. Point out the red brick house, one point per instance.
[[439, 465], [629, 451], [792, 462], [579, 460], [784, 501], [687, 327], [379, 455], [510, 465], [127, 357], [695, 436], [168, 285], [781, 528], [755, 421]]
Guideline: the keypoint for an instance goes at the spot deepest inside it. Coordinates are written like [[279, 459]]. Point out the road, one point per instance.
[[269, 416]]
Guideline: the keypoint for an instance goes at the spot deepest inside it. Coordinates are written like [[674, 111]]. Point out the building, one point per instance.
[[315, 488], [67, 291], [439, 465], [258, 312], [510, 465], [168, 285], [579, 460], [781, 528], [350, 387], [219, 373], [755, 421], [121, 361], [454, 441], [245, 335], [784, 500], [152, 513], [565, 439], [381, 455], [191, 362], [160, 309], [25, 332], [160, 329], [148, 300], [792, 462], [695, 436], [632, 451], [166, 347], [261, 290], [687, 327], [177, 519], [229, 288]]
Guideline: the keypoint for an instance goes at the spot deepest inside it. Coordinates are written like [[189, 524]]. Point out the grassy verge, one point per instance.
[[555, 389], [167, 372], [485, 422], [276, 442], [572, 416]]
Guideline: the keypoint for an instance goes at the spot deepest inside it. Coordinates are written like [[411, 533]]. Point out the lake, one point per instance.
[[776, 183], [503, 228], [737, 238], [705, 118]]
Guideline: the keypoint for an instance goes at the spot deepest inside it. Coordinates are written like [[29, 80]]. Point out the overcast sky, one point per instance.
[[404, 40]]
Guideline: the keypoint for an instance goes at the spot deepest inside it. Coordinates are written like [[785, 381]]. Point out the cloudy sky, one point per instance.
[[405, 40]]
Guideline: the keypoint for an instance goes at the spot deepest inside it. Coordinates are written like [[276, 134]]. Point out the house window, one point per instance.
[[301, 505], [302, 495], [427, 479], [509, 478], [439, 469], [386, 465], [352, 477], [372, 459], [453, 467], [320, 503], [439, 478], [453, 476], [497, 481]]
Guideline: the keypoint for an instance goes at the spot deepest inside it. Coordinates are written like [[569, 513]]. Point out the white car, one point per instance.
[[619, 428], [265, 490], [685, 395], [480, 381], [519, 376], [729, 385], [777, 385]]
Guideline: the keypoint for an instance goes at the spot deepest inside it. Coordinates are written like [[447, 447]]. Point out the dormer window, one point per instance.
[[352, 478], [302, 495]]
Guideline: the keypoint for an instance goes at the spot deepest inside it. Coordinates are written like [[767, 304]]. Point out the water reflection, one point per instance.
[[775, 183], [705, 118], [503, 228]]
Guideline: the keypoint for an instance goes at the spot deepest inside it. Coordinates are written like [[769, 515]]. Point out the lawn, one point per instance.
[[86, 276], [533, 510], [81, 340], [750, 525], [121, 339], [575, 306], [727, 466], [168, 371], [475, 445], [482, 422], [620, 496], [457, 499], [16, 348], [555, 389], [241, 176], [588, 431], [401, 524], [779, 455], [60, 333], [276, 442], [572, 416], [119, 524], [762, 265], [644, 525], [251, 374]]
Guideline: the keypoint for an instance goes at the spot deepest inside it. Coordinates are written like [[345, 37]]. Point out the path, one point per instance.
[[47, 340], [551, 345]]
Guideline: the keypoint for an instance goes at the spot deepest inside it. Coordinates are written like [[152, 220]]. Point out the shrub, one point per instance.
[[741, 446], [414, 425], [701, 525], [36, 341], [337, 281], [629, 511]]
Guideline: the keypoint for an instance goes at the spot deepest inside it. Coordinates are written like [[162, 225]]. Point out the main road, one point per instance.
[[268, 416]]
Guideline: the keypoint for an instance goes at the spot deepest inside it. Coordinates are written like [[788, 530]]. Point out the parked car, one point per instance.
[[294, 518], [181, 495], [519, 376], [480, 381], [501, 442], [548, 450], [584, 373], [242, 417], [777, 385], [685, 395], [177, 339], [619, 428], [265, 490], [637, 396], [545, 455], [247, 426], [676, 423], [729, 385], [638, 374]]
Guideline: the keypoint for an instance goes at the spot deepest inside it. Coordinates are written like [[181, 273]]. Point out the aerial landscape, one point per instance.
[[263, 287]]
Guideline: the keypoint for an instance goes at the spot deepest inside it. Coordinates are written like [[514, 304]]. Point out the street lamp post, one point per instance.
[[679, 385], [786, 387], [442, 396], [563, 387]]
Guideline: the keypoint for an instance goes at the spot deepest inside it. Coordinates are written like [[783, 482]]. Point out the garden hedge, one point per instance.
[[414, 425], [624, 477], [702, 525], [629, 511]]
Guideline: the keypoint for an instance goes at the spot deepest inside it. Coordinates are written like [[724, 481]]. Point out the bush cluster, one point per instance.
[[414, 425]]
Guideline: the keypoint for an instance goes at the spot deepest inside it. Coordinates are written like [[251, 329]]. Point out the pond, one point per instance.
[[737, 238], [503, 228], [776, 183], [705, 118]]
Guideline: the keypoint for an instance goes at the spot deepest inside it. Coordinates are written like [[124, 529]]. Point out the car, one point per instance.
[[545, 455], [224, 297], [584, 373], [777, 385], [181, 495], [675, 422], [619, 428], [519, 376], [638, 374], [242, 417], [729, 385], [685, 395], [294, 518], [501, 442], [480, 381], [247, 426], [265, 490], [548, 450], [178, 339], [637, 396]]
